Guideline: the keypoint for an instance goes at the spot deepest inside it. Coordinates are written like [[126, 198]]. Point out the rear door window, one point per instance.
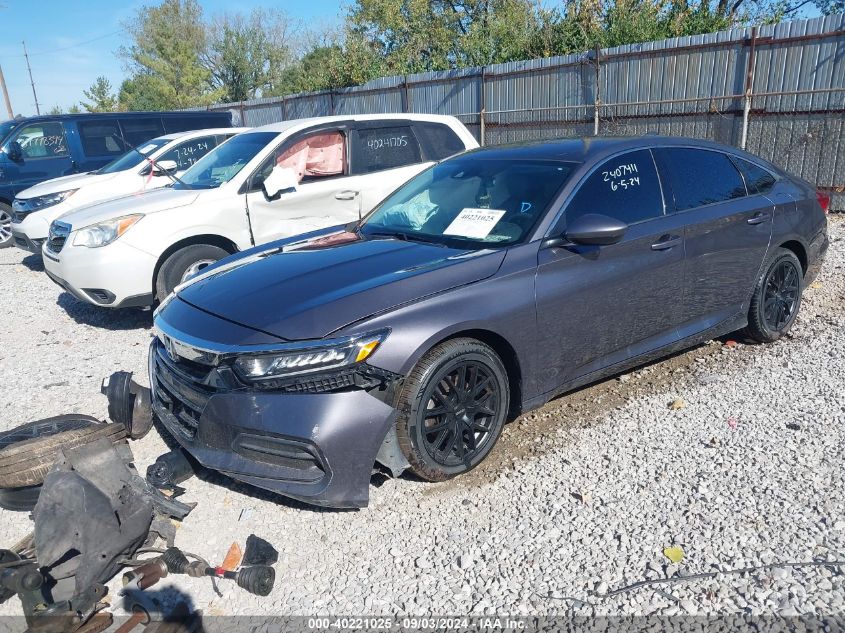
[[42, 140], [136, 130], [757, 179], [438, 141], [101, 138], [699, 177], [187, 153], [380, 148], [625, 187]]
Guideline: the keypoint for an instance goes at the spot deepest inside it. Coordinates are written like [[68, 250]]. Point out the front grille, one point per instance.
[[59, 232], [179, 390]]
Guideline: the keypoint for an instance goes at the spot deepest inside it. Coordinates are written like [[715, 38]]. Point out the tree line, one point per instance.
[[177, 57]]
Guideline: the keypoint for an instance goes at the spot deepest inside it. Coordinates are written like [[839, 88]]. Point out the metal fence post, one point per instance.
[[597, 100], [749, 88], [482, 111]]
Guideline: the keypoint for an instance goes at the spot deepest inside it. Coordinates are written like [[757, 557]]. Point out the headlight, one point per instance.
[[106, 232], [332, 354], [42, 202]]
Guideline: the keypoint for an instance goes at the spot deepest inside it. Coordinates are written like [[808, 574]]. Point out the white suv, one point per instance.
[[271, 182], [141, 169]]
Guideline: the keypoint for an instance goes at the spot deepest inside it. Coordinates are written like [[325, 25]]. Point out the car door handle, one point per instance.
[[758, 218], [666, 242], [347, 194]]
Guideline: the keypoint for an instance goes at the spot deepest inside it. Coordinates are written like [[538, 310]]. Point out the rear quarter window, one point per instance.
[[757, 179], [699, 177], [378, 149]]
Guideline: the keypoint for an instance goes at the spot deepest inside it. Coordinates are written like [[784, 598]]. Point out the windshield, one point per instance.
[[221, 164], [131, 158], [471, 200], [6, 127]]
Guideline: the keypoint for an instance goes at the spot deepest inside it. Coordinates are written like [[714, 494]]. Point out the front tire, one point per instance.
[[452, 409], [777, 297], [5, 225], [184, 264]]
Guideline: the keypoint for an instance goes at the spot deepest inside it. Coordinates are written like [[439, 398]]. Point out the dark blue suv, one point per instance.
[[36, 149]]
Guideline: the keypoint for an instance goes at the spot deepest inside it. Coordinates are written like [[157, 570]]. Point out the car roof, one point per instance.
[[589, 148], [213, 130], [400, 116], [84, 115]]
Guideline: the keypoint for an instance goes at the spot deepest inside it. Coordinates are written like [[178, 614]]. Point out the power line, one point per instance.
[[67, 48]]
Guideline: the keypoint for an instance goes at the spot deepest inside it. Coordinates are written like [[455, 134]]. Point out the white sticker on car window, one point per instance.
[[147, 149], [474, 223]]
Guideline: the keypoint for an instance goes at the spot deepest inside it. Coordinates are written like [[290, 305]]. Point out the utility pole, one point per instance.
[[29, 68], [6, 94]]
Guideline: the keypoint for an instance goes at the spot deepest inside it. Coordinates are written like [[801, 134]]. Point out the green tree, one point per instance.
[[168, 42], [247, 56], [100, 96], [56, 109], [143, 92]]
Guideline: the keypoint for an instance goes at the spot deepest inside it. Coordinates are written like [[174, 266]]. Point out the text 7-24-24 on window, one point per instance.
[[623, 176]]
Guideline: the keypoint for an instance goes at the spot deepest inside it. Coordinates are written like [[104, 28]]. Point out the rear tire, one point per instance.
[[26, 463], [777, 297], [183, 264], [452, 409], [5, 225]]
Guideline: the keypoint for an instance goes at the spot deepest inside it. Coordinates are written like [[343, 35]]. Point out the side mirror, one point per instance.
[[14, 151], [164, 167], [281, 180], [596, 230]]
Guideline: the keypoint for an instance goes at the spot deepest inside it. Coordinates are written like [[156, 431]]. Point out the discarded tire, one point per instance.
[[26, 463], [45, 427], [19, 499]]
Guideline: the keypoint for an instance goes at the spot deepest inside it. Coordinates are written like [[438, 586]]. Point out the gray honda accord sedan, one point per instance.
[[482, 288]]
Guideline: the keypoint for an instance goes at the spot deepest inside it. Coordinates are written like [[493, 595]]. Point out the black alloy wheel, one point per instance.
[[462, 404], [780, 298], [777, 297], [452, 409]]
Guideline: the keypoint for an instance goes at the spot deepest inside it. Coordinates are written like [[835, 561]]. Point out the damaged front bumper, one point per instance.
[[319, 448]]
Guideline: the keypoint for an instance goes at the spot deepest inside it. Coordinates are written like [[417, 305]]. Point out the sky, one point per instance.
[[72, 42]]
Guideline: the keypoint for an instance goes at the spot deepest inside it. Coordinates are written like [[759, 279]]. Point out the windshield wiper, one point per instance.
[[405, 237], [173, 177]]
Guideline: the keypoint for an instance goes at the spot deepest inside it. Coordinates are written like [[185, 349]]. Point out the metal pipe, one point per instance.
[[749, 87]]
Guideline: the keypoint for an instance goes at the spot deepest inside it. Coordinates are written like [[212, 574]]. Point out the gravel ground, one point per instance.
[[579, 500]]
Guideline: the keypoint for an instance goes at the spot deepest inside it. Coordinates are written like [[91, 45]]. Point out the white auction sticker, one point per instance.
[[474, 223]]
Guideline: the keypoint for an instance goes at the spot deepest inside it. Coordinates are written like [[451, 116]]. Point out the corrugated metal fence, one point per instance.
[[778, 91]]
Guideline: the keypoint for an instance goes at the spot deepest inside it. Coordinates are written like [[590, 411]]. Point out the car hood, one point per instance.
[[144, 202], [57, 185], [298, 294]]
